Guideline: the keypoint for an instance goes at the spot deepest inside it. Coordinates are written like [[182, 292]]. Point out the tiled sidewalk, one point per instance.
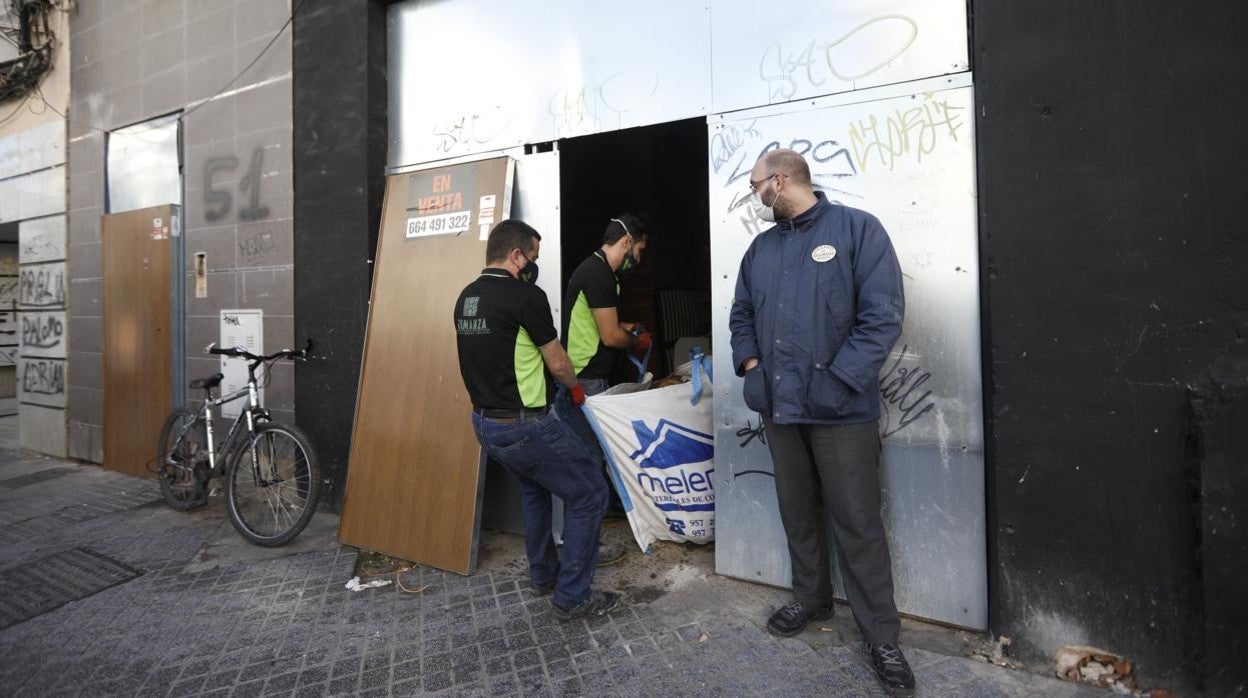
[[244, 623]]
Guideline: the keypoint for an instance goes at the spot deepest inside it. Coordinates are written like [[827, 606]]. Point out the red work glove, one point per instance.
[[577, 395], [643, 344]]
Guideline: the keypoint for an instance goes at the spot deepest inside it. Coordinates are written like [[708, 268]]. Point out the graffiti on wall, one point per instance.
[[591, 108], [8, 319], [43, 246], [463, 132], [790, 69], [903, 397], [219, 199], [42, 286], [42, 381], [915, 131], [43, 333], [255, 249]]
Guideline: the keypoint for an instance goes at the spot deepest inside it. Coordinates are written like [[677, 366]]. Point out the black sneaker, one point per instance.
[[599, 603], [791, 620], [892, 669], [541, 589]]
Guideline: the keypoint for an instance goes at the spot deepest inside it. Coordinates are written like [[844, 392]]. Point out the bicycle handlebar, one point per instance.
[[242, 353]]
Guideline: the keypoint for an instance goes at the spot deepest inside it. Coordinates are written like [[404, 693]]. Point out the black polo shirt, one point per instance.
[[593, 285], [500, 324]]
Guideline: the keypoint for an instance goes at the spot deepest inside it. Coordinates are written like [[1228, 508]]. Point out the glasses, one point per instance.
[[755, 185]]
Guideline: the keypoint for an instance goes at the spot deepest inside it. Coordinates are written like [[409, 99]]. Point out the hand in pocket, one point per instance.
[[826, 395], [755, 391]]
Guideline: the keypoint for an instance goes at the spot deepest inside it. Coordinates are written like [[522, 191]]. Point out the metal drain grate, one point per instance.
[[38, 476], [35, 588]]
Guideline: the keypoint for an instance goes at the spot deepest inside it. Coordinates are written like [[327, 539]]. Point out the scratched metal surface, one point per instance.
[[906, 154], [478, 75], [143, 165], [794, 49], [474, 76]]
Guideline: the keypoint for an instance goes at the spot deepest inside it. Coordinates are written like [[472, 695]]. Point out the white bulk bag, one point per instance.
[[660, 453]]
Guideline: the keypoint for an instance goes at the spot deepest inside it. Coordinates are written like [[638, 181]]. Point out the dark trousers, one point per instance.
[[834, 472], [576, 419], [547, 457]]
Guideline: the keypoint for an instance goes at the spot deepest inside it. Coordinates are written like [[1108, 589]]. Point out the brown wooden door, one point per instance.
[[138, 330], [414, 482]]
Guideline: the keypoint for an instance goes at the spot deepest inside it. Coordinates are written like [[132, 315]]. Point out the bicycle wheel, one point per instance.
[[183, 443], [271, 499]]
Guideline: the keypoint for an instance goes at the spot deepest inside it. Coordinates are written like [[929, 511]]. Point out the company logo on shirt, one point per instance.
[[470, 306], [465, 325]]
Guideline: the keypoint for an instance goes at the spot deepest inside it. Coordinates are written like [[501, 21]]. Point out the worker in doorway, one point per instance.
[[818, 306], [592, 330], [508, 353]]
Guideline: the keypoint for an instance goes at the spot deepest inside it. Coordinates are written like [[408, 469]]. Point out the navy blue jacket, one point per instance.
[[821, 329]]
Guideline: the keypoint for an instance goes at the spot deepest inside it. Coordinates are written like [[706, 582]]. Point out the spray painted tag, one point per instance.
[[823, 253]]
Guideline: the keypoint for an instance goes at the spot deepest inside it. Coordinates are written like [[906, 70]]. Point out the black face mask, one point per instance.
[[529, 273], [630, 262]]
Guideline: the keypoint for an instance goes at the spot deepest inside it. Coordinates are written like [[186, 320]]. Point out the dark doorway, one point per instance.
[[660, 174]]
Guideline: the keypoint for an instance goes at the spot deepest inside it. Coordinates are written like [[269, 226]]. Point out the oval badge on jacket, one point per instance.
[[823, 253]]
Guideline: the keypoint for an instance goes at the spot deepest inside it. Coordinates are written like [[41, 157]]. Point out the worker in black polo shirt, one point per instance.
[[508, 352], [592, 331]]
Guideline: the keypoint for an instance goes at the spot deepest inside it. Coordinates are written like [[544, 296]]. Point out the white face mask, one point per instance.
[[762, 210]]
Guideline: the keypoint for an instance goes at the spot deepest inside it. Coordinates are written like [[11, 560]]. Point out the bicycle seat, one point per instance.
[[207, 383]]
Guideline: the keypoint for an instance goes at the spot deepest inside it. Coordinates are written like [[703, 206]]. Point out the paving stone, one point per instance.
[[345, 685], [285, 625], [436, 681], [283, 682]]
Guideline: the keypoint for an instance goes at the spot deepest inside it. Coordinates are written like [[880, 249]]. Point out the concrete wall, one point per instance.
[[137, 60], [32, 194], [340, 186], [10, 327], [1111, 189]]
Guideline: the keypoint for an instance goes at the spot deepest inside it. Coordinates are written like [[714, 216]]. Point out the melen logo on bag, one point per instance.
[[666, 450]]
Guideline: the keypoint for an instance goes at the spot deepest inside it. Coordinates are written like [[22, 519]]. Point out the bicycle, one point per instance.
[[272, 475]]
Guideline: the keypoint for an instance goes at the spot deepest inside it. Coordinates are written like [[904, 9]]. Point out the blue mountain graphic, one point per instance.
[[669, 445]]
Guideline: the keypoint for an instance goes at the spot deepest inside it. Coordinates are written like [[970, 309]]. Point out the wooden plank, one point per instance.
[[414, 482], [137, 336]]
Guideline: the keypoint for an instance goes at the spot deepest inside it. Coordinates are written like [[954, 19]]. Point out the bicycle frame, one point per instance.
[[253, 413]]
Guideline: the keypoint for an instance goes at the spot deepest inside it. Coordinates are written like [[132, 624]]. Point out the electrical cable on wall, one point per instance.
[[194, 107], [36, 45]]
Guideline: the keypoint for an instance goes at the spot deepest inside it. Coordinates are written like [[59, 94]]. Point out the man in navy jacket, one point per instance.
[[818, 307]]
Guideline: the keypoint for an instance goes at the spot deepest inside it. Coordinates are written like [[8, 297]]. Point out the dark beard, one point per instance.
[[783, 211]]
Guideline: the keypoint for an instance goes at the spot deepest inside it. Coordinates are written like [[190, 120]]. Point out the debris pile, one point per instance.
[[995, 651], [1100, 668]]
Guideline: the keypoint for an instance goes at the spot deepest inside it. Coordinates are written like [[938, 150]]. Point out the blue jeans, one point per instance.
[[576, 418], [547, 457]]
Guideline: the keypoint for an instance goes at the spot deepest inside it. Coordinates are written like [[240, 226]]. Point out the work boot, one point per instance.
[[792, 618], [892, 669], [542, 589], [609, 553], [599, 603]]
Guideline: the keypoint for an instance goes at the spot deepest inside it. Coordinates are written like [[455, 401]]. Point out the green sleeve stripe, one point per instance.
[[530, 371], [583, 337]]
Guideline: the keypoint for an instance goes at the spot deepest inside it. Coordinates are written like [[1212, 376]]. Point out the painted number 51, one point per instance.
[[219, 201]]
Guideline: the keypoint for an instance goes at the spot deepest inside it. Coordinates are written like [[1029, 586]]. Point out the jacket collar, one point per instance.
[[808, 217]]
